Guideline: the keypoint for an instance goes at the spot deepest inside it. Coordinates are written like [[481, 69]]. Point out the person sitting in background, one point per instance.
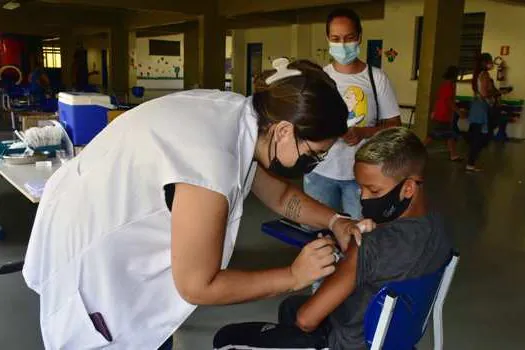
[[409, 241], [445, 108], [40, 85]]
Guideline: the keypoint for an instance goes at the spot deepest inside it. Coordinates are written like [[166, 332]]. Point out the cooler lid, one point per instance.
[[85, 98]]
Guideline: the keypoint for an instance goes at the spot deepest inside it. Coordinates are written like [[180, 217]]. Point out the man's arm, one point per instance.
[[333, 291], [369, 131]]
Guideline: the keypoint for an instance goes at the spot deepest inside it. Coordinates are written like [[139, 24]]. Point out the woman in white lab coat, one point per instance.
[[109, 273]]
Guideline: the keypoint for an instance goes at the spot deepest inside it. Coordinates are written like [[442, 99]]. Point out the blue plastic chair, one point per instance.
[[398, 314], [138, 91]]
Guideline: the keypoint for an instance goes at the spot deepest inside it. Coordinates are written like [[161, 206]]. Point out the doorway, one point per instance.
[[374, 52]]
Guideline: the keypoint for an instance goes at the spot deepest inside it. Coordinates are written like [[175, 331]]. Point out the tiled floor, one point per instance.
[[485, 308]]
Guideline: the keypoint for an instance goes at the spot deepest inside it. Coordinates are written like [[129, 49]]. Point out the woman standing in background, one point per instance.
[[485, 95]]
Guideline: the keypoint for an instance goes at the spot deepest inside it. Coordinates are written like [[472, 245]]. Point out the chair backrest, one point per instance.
[[414, 300], [138, 91]]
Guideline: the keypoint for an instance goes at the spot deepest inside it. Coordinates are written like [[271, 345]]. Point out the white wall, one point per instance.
[[276, 42], [397, 29], [147, 66], [501, 28]]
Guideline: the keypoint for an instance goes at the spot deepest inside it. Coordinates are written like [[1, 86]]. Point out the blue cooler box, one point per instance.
[[83, 115]]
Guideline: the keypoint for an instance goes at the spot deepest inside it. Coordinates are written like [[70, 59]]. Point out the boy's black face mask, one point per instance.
[[386, 208]]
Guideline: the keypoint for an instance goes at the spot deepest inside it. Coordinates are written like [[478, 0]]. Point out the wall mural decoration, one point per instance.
[[391, 55], [155, 67]]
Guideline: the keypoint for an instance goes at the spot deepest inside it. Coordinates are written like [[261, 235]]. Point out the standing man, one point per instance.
[[372, 106]]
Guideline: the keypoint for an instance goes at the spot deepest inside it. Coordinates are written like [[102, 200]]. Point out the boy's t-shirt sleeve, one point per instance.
[[371, 255], [402, 249], [385, 254]]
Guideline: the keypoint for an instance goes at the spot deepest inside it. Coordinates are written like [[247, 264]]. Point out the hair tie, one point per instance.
[[281, 65]]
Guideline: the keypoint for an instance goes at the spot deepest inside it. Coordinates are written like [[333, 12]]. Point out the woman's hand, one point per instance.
[[315, 261], [345, 229]]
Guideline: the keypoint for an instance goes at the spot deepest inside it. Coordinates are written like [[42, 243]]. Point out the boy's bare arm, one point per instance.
[[333, 291]]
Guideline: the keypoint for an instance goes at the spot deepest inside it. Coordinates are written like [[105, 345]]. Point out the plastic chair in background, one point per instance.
[[397, 316], [11, 267], [138, 92]]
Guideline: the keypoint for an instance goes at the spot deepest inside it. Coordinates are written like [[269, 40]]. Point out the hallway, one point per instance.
[[485, 306]]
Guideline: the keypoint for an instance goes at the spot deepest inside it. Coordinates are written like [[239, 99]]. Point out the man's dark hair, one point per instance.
[[451, 73], [347, 13]]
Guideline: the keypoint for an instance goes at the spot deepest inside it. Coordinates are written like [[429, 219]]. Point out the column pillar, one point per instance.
[[191, 56], [119, 61], [440, 48], [301, 41], [67, 51], [212, 48], [239, 61], [132, 47]]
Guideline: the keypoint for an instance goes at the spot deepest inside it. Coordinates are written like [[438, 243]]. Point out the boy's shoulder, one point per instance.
[[402, 247]]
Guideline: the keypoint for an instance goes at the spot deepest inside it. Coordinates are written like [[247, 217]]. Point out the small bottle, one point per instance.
[[316, 285]]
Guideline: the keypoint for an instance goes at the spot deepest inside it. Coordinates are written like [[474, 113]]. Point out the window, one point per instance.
[[164, 48], [471, 44], [51, 56]]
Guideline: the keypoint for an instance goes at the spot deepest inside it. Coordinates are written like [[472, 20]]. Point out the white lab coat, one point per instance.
[[101, 238]]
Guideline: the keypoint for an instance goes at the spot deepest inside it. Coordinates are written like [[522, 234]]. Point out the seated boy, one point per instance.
[[408, 242]]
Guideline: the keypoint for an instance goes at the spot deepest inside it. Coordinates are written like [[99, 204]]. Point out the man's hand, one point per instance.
[[352, 136]]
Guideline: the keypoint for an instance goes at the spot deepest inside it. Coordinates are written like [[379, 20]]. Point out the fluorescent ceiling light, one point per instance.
[[11, 5]]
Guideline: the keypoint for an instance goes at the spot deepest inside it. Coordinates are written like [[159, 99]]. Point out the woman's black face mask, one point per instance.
[[303, 165]]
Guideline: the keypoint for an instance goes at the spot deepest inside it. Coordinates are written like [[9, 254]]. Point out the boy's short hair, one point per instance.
[[398, 150]]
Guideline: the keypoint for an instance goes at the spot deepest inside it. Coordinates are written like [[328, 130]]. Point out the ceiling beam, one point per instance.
[[366, 10], [183, 6], [53, 18], [512, 2], [144, 19], [258, 20], [230, 8], [166, 30]]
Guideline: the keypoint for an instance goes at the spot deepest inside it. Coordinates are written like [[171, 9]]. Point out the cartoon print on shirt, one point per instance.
[[356, 101]]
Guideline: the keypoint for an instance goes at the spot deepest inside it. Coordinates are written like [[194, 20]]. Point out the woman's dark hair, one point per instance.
[[347, 13], [480, 66], [310, 101], [451, 73]]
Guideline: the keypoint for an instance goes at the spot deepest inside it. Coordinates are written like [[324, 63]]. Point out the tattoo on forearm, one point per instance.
[[293, 208]]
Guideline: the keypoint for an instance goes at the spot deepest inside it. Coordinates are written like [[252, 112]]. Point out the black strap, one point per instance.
[[374, 89]]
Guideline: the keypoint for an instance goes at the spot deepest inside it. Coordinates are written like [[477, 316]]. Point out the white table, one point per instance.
[[19, 175]]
